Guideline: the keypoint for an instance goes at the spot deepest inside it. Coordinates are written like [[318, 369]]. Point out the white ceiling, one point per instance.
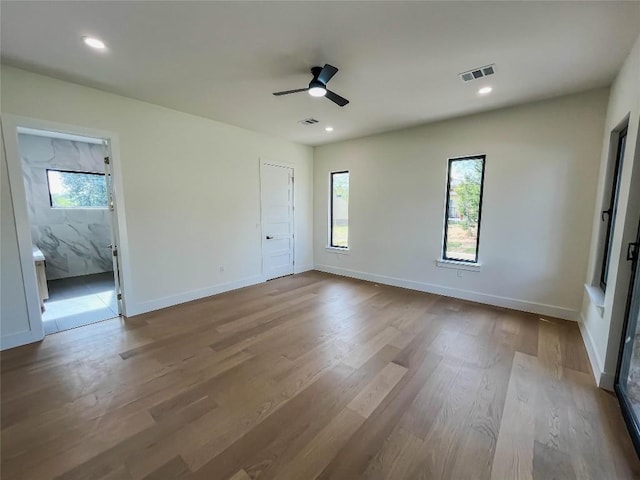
[[398, 61]]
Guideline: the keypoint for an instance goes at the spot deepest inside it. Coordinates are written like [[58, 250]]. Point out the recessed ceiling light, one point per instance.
[[328, 129], [94, 43], [485, 90]]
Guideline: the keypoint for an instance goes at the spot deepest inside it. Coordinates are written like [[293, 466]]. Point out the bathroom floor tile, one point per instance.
[[78, 301]]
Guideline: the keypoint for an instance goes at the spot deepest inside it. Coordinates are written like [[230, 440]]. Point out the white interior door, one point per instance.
[[277, 220]]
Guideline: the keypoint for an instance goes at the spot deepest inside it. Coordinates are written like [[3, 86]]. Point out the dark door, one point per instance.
[[628, 375]]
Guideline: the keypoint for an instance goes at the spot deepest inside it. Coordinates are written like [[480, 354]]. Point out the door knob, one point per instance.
[[269, 237]]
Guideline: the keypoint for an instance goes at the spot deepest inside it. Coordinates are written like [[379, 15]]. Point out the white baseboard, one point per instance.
[[594, 358], [184, 297], [171, 300], [18, 339], [505, 302], [607, 381], [603, 379]]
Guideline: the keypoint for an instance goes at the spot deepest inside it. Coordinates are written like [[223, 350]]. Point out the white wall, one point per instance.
[[14, 327], [602, 330], [539, 197], [191, 188]]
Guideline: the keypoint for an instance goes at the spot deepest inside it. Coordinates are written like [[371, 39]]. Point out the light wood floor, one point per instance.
[[312, 376]]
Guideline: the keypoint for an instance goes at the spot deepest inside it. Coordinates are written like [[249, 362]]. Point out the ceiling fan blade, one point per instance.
[[328, 71], [287, 92], [335, 98]]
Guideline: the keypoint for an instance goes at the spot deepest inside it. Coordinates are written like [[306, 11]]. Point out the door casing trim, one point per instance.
[[10, 126], [262, 161]]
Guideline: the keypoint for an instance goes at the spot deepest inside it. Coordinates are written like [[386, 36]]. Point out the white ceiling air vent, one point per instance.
[[308, 121], [478, 73]]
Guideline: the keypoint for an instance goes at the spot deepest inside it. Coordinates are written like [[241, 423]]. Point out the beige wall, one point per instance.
[[191, 188], [602, 329], [540, 189]]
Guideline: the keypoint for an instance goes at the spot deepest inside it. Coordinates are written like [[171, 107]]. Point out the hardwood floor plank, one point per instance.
[[513, 456], [397, 458], [443, 441], [364, 444], [364, 352], [552, 417], [476, 450], [200, 390], [602, 446], [174, 468], [264, 316], [423, 412], [310, 461], [58, 458], [549, 349], [240, 475], [312, 376], [573, 352], [133, 450], [283, 434], [551, 464], [371, 396]]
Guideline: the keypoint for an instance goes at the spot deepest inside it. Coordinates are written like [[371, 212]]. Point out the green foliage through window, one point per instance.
[[464, 199], [77, 189], [339, 223], [468, 191]]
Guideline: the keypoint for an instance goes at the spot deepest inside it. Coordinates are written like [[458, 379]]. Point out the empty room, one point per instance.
[[320, 240]]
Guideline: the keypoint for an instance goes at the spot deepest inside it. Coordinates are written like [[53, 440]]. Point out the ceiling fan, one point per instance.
[[318, 86]]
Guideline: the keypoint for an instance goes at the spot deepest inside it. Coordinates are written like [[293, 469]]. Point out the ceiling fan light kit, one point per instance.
[[318, 85], [317, 91]]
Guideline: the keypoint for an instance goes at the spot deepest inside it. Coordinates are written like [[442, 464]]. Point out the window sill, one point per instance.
[[100, 209], [596, 295], [471, 267], [343, 251]]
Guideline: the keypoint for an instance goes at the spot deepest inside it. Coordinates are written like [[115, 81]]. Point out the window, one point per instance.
[[465, 178], [76, 189], [339, 210], [609, 215]]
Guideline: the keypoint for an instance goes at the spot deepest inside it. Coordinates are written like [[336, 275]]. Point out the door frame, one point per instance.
[[630, 418], [11, 124], [262, 162]]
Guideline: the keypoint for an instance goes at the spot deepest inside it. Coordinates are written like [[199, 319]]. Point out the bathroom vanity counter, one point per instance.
[[41, 277]]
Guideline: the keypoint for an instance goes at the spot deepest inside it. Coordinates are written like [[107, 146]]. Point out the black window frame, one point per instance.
[[611, 211], [331, 174], [102, 174], [448, 201]]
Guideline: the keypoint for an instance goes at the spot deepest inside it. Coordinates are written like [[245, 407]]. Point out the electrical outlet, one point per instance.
[[459, 273]]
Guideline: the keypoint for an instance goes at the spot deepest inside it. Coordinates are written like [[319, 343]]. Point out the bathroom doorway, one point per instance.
[[69, 200]]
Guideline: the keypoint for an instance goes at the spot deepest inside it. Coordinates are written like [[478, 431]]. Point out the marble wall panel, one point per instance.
[[74, 241]]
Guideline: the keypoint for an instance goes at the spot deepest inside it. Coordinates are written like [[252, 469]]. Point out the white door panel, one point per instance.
[[277, 220]]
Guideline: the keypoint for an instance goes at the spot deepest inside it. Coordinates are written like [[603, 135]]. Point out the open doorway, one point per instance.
[[69, 201]]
